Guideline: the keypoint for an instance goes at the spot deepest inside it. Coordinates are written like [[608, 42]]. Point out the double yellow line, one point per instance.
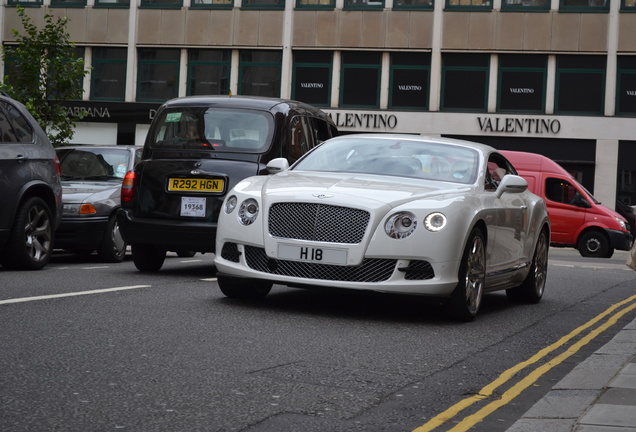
[[532, 377]]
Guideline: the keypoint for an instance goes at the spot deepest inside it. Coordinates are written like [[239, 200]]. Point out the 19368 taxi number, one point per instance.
[[195, 184]]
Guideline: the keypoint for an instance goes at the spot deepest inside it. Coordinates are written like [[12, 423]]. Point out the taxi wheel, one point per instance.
[[531, 290], [113, 247], [466, 299], [243, 288], [147, 258]]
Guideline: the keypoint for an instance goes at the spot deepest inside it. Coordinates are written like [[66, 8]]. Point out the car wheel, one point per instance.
[[593, 244], [531, 290], [243, 288], [30, 244], [147, 258], [113, 247], [466, 299], [186, 254]]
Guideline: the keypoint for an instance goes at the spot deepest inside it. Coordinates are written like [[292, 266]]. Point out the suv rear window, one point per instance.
[[213, 129]]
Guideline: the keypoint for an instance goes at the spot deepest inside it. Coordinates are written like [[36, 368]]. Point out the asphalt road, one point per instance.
[[86, 346]]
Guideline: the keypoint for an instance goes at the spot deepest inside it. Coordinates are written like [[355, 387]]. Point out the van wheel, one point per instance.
[[147, 258], [30, 244], [593, 244]]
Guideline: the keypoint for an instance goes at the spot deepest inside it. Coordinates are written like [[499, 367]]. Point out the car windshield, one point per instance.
[[93, 163], [218, 129], [397, 157]]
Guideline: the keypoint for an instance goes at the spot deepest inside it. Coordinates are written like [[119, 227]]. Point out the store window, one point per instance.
[[626, 186], [212, 4], [525, 5], [409, 81], [259, 73], [157, 75], [522, 83], [476, 5], [208, 72], [360, 79], [162, 4], [315, 4], [263, 4], [363, 4], [465, 82], [626, 91], [311, 82], [25, 3], [413, 4], [108, 78], [584, 6], [580, 85], [628, 5], [112, 3], [68, 3]]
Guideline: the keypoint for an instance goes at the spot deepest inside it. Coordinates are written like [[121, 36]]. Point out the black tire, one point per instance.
[[186, 254], [466, 299], [147, 258], [593, 244], [531, 290], [244, 288], [113, 247], [30, 243]]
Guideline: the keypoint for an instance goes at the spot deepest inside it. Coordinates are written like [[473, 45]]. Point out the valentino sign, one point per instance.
[[519, 125]]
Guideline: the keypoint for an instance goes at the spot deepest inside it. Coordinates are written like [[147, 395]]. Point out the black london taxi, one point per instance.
[[197, 149]]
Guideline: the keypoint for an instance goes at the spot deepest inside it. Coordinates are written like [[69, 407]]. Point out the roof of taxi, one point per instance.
[[253, 102]]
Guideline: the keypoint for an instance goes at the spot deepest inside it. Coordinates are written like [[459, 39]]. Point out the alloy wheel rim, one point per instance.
[[475, 273], [37, 233]]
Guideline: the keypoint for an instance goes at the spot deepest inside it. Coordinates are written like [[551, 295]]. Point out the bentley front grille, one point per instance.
[[318, 222], [371, 270]]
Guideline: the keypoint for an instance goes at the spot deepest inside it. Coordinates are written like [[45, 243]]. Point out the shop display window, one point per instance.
[[626, 86], [409, 81], [593, 6], [580, 85], [522, 83], [465, 82], [311, 81], [108, 77], [315, 4], [525, 5], [475, 5], [413, 4], [360, 79], [162, 4], [363, 4], [260, 73], [263, 4], [212, 4]]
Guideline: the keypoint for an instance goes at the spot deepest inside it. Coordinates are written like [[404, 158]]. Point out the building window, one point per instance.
[[68, 3], [162, 4], [522, 83], [476, 5], [413, 4], [112, 3], [626, 83], [364, 4], [525, 5], [108, 78], [580, 85], [465, 82], [25, 3], [628, 5], [360, 79], [259, 73], [311, 82], [264, 4], [409, 81], [158, 74], [212, 4], [584, 6], [315, 4], [208, 72]]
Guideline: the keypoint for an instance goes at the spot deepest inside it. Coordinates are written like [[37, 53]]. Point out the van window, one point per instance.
[[203, 128], [562, 191]]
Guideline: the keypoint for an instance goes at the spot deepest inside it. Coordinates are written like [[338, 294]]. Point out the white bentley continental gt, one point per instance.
[[390, 213]]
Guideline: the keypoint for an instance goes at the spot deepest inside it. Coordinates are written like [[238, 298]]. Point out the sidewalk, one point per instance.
[[599, 395]]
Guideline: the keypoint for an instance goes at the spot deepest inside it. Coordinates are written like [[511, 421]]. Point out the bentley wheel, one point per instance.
[[113, 247], [531, 290], [147, 258], [466, 299], [243, 288]]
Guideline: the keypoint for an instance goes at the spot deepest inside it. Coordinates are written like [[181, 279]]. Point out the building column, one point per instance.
[[605, 173]]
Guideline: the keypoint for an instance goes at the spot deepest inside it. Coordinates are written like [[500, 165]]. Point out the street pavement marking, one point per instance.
[[209, 279], [532, 377], [52, 296]]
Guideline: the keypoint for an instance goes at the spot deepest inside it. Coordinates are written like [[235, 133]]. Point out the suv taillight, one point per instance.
[[128, 187]]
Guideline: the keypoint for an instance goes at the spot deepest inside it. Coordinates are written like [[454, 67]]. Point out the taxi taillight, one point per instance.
[[128, 187]]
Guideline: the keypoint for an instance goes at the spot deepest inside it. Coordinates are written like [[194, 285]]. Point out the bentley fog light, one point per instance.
[[248, 211], [230, 204], [435, 222], [400, 225]]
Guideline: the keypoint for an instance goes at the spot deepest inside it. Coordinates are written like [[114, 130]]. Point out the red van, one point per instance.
[[577, 219]]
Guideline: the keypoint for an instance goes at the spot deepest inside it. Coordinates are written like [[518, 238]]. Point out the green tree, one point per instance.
[[43, 69]]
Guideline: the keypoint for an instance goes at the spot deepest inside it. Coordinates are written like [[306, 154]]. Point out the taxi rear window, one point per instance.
[[213, 129]]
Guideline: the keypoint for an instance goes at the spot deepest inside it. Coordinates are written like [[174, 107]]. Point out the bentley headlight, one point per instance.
[[435, 222], [248, 211], [400, 225], [230, 204]]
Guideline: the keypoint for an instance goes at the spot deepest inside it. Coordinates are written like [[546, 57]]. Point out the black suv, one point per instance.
[[31, 197], [196, 150]]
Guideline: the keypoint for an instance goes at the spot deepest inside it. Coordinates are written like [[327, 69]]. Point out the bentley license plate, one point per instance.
[[312, 254], [195, 185]]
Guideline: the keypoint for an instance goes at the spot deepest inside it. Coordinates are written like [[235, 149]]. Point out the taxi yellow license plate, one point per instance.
[[195, 184]]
